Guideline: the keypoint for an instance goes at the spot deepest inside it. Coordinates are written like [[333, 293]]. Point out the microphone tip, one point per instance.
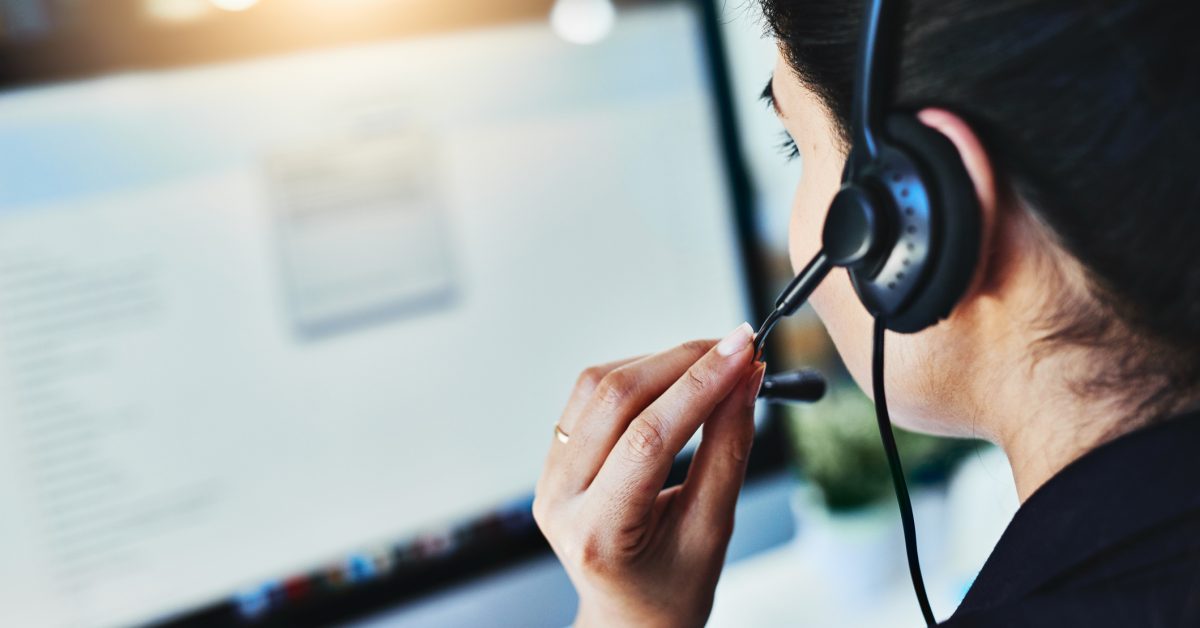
[[798, 386]]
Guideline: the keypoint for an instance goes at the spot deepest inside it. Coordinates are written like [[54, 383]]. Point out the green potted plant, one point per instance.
[[846, 506]]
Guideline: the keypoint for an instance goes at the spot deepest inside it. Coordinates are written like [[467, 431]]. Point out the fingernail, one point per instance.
[[756, 381], [737, 340]]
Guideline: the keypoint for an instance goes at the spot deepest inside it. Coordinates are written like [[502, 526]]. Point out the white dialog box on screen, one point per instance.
[[361, 229]]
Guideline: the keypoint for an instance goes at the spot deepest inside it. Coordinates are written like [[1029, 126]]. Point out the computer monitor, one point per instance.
[[287, 321]]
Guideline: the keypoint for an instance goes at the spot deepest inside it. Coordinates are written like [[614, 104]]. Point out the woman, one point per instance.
[[1076, 348]]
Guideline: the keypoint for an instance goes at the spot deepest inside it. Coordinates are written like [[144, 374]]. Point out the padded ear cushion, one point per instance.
[[955, 208]]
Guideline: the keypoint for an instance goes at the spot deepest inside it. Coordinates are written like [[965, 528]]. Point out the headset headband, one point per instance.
[[872, 83]]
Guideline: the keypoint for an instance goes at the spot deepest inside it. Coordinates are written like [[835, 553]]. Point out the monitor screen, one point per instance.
[[261, 314]]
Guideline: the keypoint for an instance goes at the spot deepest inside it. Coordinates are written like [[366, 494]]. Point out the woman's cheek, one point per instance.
[[804, 233], [835, 302], [915, 404], [848, 323], [819, 182]]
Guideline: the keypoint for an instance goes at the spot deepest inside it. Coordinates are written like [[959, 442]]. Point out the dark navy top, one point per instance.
[[1111, 540]]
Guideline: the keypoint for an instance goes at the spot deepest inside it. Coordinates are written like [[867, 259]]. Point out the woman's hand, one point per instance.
[[638, 554]]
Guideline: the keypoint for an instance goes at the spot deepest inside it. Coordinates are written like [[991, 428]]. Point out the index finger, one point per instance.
[[635, 470]]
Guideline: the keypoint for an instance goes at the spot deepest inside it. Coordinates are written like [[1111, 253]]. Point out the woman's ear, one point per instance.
[[983, 176], [970, 150]]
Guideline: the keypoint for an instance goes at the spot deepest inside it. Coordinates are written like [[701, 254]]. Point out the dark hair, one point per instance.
[[1090, 111]]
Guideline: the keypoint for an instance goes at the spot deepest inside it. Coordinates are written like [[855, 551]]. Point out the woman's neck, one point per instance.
[[1043, 424]]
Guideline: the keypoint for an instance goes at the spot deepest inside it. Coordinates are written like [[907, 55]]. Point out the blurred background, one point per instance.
[[293, 291]]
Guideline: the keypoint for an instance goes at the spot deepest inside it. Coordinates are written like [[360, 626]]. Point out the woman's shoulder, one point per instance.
[[1112, 540]]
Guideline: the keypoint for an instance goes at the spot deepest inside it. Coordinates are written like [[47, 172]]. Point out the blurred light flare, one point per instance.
[[233, 5], [583, 21], [177, 10]]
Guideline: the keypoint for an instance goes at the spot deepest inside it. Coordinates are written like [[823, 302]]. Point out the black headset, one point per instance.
[[905, 225]]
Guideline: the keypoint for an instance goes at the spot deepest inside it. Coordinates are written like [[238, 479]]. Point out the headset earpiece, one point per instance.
[[925, 205]]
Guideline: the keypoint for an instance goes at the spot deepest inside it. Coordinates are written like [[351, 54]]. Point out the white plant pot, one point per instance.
[[855, 551]]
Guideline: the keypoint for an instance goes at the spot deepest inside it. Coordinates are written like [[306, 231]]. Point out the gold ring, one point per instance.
[[562, 436]]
